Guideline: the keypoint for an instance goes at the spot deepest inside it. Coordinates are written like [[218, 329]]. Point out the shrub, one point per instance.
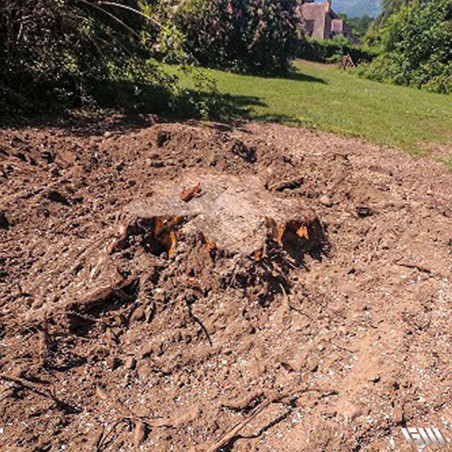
[[258, 36], [63, 52], [76, 53], [415, 46]]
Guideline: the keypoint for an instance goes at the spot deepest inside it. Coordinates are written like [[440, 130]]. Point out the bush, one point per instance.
[[333, 50], [65, 54], [415, 46], [56, 53], [258, 36]]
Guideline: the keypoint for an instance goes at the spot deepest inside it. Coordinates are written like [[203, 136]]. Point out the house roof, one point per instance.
[[314, 11], [321, 22], [314, 17]]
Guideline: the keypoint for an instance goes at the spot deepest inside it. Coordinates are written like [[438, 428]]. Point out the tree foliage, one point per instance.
[[243, 35], [389, 7], [415, 46], [360, 25], [75, 53], [60, 51]]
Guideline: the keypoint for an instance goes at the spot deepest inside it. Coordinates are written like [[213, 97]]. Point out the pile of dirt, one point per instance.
[[196, 286]]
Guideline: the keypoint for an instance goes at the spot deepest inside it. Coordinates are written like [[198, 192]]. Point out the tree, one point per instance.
[[415, 45], [361, 25], [243, 35]]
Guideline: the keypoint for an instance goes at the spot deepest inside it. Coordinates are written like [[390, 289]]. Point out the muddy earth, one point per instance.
[[194, 286]]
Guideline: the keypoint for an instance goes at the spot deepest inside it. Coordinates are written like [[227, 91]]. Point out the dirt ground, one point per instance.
[[137, 331]]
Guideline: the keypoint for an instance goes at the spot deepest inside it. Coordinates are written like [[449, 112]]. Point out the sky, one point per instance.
[[357, 8]]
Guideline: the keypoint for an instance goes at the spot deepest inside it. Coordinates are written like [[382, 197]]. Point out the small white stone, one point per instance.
[[326, 201]]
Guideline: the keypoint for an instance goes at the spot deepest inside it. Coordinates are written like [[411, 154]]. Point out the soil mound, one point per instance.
[[174, 286]]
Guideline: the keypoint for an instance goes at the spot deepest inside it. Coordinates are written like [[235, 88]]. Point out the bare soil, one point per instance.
[[196, 286]]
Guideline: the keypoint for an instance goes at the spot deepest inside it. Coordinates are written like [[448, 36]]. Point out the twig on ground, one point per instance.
[[232, 433], [289, 305], [421, 268], [48, 395], [229, 435]]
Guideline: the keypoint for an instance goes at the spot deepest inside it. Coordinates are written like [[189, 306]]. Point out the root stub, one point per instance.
[[233, 215]]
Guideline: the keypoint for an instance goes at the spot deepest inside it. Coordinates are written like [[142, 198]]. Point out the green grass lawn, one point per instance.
[[324, 97]]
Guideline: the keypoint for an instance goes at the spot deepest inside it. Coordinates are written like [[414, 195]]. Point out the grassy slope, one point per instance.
[[323, 96]]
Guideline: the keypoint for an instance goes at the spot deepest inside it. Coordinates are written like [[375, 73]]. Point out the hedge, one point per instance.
[[332, 51]]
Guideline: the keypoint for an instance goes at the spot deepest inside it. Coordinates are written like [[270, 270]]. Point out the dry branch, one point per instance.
[[232, 433], [421, 268]]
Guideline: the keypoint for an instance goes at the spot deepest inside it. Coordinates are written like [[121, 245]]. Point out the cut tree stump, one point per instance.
[[235, 214]]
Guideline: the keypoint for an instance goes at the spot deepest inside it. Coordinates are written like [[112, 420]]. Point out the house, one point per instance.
[[321, 22]]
